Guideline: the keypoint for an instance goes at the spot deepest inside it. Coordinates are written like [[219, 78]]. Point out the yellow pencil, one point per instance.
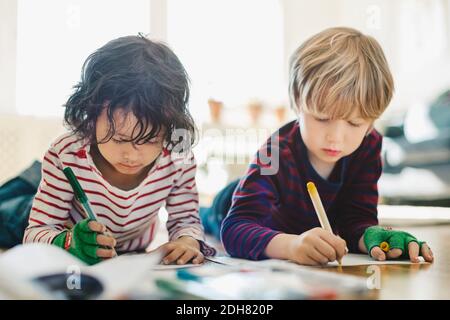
[[320, 211]]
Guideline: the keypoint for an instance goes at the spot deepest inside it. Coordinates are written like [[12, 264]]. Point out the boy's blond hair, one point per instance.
[[338, 70]]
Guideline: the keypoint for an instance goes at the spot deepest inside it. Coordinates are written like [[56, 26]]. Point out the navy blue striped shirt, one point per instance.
[[265, 205]]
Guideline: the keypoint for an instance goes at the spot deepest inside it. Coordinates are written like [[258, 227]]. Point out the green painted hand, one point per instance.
[[86, 242], [400, 244]]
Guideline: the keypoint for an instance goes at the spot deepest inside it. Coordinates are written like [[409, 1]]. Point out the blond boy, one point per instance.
[[340, 83]]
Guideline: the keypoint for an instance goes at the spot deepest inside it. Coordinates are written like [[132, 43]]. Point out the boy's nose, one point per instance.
[[335, 134], [130, 156]]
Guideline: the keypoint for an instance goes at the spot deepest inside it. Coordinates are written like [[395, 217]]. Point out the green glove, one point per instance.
[[376, 235], [83, 243]]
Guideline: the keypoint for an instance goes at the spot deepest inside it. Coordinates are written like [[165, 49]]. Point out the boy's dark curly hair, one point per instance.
[[135, 74]]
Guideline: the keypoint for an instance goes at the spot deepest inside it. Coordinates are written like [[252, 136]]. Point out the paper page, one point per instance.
[[348, 260], [120, 275], [162, 267], [24, 262], [36, 259], [364, 259], [229, 261]]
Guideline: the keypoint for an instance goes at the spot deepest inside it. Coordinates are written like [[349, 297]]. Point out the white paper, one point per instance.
[[348, 260], [118, 275], [229, 261], [364, 260], [162, 267], [35, 259], [121, 274]]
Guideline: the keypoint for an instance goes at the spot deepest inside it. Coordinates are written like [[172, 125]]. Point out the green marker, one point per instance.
[[79, 193]]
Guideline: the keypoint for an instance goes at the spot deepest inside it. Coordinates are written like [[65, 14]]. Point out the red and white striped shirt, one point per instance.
[[131, 216]]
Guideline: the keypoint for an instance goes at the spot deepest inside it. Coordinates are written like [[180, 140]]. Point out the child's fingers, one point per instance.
[[106, 253], [186, 257], [394, 253], [200, 258], [106, 241], [88, 237], [337, 243], [343, 250], [173, 256], [325, 249], [427, 254], [378, 254], [90, 251], [96, 226], [166, 248], [317, 257], [413, 249]]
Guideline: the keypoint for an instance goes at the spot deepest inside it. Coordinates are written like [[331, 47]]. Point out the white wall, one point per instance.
[[8, 42], [24, 139], [303, 18], [54, 39]]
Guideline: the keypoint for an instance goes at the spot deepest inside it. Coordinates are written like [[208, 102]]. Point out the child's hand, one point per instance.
[[88, 241], [182, 251], [401, 244], [316, 247]]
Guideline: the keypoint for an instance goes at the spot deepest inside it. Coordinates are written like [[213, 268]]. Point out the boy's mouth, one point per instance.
[[128, 166], [332, 152]]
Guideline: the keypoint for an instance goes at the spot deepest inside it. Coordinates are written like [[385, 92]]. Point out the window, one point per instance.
[[54, 39], [233, 50]]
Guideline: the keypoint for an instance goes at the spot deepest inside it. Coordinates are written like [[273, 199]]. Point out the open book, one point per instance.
[[42, 271]]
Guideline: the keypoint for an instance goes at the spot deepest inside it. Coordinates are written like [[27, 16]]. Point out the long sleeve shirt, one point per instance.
[[266, 203], [131, 216]]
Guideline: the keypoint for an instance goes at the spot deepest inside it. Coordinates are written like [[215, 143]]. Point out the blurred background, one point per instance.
[[236, 53]]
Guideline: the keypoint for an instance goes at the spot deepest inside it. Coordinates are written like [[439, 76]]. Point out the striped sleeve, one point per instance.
[[182, 207], [357, 207], [243, 232], [51, 204]]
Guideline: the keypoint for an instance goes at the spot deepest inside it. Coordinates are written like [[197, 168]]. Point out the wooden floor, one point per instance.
[[415, 281]]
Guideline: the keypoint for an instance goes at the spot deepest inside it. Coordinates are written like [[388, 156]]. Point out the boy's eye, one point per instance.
[[353, 124], [356, 125]]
